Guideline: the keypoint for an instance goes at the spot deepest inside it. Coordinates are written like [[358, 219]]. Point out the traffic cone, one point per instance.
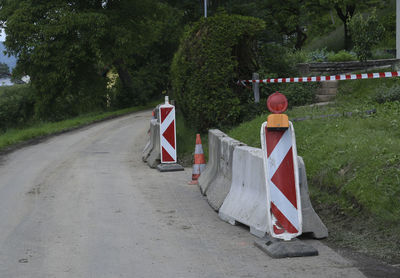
[[199, 161]]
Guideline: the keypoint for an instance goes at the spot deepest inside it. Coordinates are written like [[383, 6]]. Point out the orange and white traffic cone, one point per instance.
[[199, 161]]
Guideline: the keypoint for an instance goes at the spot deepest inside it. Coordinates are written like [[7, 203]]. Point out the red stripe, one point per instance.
[[272, 138], [166, 157], [301, 79], [165, 112], [382, 74], [199, 159], [359, 76], [328, 78], [291, 79], [169, 134], [284, 178], [282, 220], [318, 78], [308, 78], [370, 75], [337, 77], [348, 76], [395, 73]]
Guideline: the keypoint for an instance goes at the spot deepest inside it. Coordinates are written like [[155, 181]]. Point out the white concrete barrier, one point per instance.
[[312, 224], [247, 198], [150, 144], [220, 186], [214, 153], [154, 156]]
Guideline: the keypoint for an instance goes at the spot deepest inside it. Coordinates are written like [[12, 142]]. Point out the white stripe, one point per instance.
[[333, 77], [296, 79], [279, 80], [353, 76], [364, 76], [342, 77], [376, 75], [304, 79], [265, 81], [388, 74], [288, 80], [314, 78], [198, 149], [279, 152], [167, 146], [167, 121], [284, 205], [323, 78]]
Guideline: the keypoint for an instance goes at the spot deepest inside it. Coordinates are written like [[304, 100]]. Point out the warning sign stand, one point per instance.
[[282, 184], [168, 138]]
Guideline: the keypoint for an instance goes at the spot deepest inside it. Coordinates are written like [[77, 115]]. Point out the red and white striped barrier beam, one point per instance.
[[167, 132], [282, 182], [324, 78]]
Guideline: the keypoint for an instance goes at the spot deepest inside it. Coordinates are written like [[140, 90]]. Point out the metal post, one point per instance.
[[397, 29], [205, 8], [256, 87]]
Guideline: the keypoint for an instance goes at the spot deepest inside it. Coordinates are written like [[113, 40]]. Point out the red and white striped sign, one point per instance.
[[324, 78], [282, 182], [167, 132]]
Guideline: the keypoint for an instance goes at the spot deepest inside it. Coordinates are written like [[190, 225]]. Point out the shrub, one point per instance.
[[16, 106], [365, 32], [214, 53], [342, 56], [299, 94], [385, 94]]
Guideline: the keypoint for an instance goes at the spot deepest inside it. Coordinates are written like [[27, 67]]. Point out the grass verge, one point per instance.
[[12, 137]]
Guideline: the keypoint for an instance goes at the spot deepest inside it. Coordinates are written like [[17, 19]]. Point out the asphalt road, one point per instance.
[[83, 204]]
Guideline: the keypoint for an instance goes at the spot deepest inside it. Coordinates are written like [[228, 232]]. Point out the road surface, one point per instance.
[[83, 204]]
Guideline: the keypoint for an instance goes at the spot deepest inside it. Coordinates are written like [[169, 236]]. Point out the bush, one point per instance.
[[214, 53], [342, 56], [385, 94], [365, 34], [16, 106], [299, 94]]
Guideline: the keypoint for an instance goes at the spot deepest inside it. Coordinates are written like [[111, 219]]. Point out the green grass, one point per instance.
[[353, 165], [186, 141], [14, 136]]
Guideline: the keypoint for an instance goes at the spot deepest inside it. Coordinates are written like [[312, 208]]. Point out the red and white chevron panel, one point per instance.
[[324, 78], [282, 182], [167, 133]]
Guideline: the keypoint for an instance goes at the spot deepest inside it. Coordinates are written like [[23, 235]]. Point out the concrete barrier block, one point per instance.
[[149, 146], [247, 198], [210, 172], [311, 222], [154, 158], [219, 188]]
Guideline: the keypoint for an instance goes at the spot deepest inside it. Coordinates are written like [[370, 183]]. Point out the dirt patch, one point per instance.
[[372, 245]]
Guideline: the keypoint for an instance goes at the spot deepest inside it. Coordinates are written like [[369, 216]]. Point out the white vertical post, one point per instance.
[[256, 87], [397, 29], [205, 8]]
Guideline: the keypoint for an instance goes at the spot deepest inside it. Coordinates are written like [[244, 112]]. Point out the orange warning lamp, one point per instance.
[[277, 104]]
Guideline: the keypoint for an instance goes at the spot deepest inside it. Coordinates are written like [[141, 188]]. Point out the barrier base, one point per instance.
[[277, 248], [169, 167]]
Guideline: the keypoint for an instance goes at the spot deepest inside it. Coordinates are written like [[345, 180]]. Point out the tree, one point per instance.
[[65, 46], [366, 32], [345, 9], [288, 17]]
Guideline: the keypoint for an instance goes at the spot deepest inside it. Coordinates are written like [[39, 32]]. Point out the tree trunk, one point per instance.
[[345, 16], [300, 37]]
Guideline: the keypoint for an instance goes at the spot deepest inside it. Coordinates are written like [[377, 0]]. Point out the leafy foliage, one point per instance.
[[342, 56], [366, 32], [388, 94], [213, 54], [16, 106]]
